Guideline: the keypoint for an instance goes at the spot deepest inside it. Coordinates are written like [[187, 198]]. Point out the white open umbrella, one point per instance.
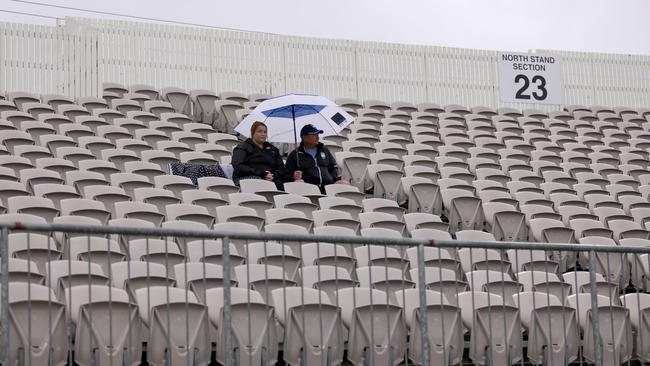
[[284, 117]]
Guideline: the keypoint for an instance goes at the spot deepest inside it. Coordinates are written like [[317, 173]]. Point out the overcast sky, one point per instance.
[[612, 26]]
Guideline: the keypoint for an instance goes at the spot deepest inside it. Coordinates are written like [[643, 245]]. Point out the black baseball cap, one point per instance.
[[309, 129]]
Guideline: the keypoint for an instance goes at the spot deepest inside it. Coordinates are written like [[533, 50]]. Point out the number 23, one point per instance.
[[538, 80]]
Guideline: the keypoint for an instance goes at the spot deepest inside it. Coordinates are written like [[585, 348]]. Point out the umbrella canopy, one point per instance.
[[284, 117]]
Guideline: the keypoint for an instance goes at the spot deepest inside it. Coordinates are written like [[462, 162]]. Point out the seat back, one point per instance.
[[314, 334], [466, 213], [496, 336], [377, 335], [253, 335], [178, 334], [553, 335], [615, 334]]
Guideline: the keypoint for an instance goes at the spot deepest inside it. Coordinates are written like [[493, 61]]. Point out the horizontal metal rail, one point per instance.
[[261, 236]]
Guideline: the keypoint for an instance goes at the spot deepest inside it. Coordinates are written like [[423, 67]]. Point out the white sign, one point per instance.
[[530, 78]]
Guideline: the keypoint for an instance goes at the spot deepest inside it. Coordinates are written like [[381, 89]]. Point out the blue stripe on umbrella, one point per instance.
[[288, 111]]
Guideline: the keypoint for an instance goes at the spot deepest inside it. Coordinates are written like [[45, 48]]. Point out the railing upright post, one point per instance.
[[598, 356], [423, 305], [227, 315], [4, 295]]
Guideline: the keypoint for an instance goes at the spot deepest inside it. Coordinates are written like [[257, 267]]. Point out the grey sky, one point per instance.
[[612, 26]]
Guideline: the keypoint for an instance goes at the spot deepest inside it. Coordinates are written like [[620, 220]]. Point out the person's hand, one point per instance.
[[269, 176], [297, 175], [342, 181]]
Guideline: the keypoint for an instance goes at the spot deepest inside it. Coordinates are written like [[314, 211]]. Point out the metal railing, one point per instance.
[[117, 295]]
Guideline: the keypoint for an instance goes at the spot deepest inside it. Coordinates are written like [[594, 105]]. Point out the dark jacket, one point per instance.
[[320, 170], [249, 160]]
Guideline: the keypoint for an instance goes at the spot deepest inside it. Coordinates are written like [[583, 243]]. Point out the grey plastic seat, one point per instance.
[[9, 189], [130, 181], [483, 259], [119, 156], [381, 220], [444, 327], [231, 213], [204, 108], [157, 196], [580, 283], [106, 194], [199, 277], [326, 278], [377, 255], [505, 222], [101, 251], [638, 305], [212, 251], [178, 98], [387, 279], [310, 191], [134, 275], [177, 323], [165, 252], [254, 340], [335, 219], [42, 344], [37, 248], [139, 210], [208, 199], [129, 223], [37, 206], [615, 329], [463, 209], [85, 207], [295, 202], [184, 211], [263, 278], [157, 107], [314, 331], [627, 229], [35, 176], [107, 325], [252, 200], [495, 282], [494, 328], [442, 280], [288, 216], [552, 328], [63, 274], [385, 180], [353, 168], [23, 270], [225, 186], [421, 220], [341, 204]]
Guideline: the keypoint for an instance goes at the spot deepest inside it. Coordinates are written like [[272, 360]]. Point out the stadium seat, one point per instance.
[[494, 328], [38, 341], [359, 307]]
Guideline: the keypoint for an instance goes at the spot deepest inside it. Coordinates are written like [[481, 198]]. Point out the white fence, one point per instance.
[[75, 57]]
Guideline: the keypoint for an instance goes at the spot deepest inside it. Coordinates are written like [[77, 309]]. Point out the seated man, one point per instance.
[[312, 162]]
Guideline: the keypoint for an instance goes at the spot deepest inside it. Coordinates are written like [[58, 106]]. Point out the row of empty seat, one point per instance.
[[112, 324], [422, 171]]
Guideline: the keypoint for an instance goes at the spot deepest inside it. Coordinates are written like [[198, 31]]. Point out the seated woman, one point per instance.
[[256, 158]]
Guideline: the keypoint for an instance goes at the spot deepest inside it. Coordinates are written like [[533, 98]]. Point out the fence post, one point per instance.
[[227, 315], [598, 357], [4, 295], [423, 305]]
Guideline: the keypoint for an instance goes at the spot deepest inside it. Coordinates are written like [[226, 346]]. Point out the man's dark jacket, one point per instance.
[[320, 170]]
